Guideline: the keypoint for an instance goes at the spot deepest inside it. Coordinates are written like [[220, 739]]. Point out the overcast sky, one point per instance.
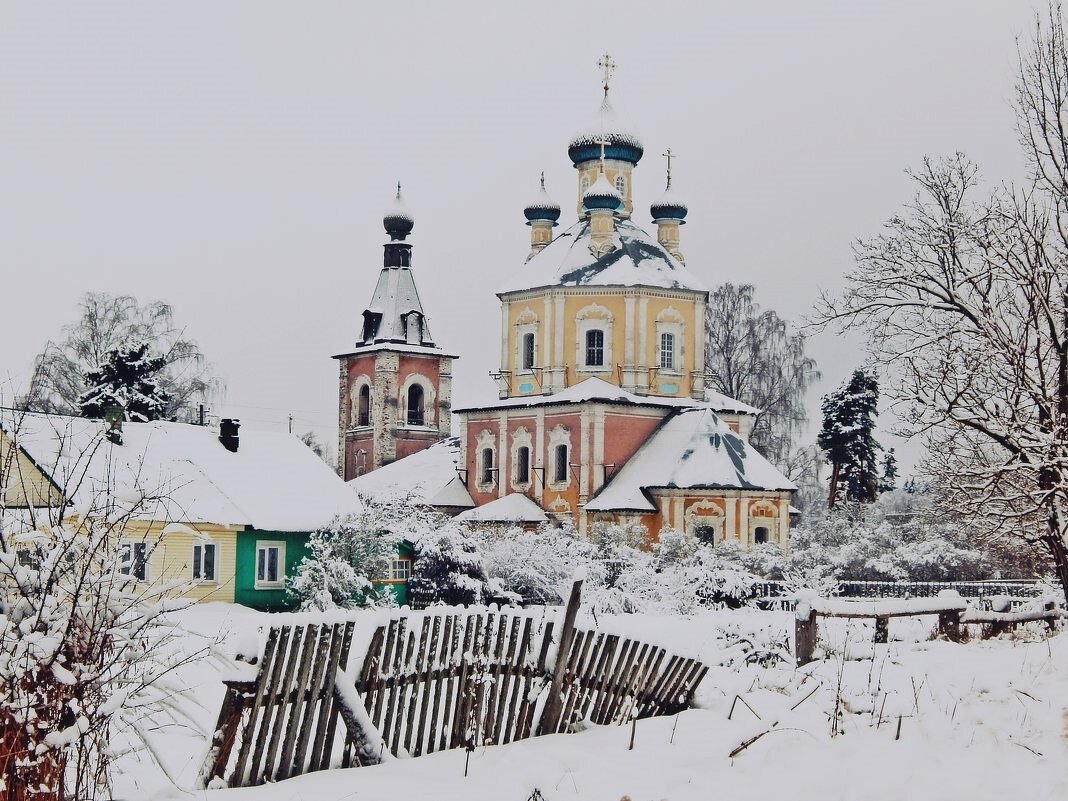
[[235, 158]]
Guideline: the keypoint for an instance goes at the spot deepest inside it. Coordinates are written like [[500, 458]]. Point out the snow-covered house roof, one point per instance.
[[180, 472], [512, 508], [597, 389], [426, 477], [636, 260], [692, 449]]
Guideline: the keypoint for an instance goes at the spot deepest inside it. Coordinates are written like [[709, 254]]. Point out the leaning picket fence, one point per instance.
[[431, 681]]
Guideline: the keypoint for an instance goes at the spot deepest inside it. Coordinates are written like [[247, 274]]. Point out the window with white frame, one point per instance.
[[270, 565], [400, 569], [415, 405], [593, 339], [487, 466], [133, 560], [204, 559], [485, 460], [594, 348], [667, 351], [522, 465], [528, 351], [560, 464], [558, 453]]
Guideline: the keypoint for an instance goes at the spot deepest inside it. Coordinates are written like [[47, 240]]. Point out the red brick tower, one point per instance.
[[395, 386]]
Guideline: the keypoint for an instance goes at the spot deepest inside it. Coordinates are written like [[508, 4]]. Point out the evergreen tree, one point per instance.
[[889, 480], [448, 569], [846, 436], [127, 379]]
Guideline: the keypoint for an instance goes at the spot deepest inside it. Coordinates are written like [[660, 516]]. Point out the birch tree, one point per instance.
[[964, 297]]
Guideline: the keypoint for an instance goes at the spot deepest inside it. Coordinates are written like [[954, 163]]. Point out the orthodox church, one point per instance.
[[603, 412]]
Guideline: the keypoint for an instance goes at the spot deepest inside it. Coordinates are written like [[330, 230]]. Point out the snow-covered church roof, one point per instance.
[[426, 477], [182, 473], [636, 260], [693, 449], [512, 508]]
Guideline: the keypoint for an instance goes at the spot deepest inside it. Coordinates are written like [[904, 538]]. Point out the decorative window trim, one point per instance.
[[429, 402], [526, 324], [359, 383], [198, 561], [590, 318], [265, 583], [557, 436], [521, 438], [669, 321], [706, 513], [486, 441]]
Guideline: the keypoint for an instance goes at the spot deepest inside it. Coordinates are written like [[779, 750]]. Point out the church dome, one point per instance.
[[542, 207], [602, 195], [621, 143], [669, 206], [398, 221]]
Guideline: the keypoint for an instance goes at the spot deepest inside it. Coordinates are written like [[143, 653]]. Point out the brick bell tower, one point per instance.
[[395, 386]]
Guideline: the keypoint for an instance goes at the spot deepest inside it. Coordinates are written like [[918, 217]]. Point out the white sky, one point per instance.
[[235, 158]]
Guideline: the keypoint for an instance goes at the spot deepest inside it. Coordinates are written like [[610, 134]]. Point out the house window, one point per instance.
[[560, 464], [528, 351], [522, 465], [400, 569], [363, 411], [595, 348], [487, 465], [204, 561], [760, 536], [667, 351], [705, 534], [133, 560], [270, 565], [415, 405]]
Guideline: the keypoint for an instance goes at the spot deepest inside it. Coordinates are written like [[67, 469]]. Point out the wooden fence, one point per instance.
[[431, 681]]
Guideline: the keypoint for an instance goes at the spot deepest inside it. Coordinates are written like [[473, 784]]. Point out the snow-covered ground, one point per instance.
[[918, 719]]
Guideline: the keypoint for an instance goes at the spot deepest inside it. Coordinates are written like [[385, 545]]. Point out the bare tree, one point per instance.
[[965, 298], [752, 356], [107, 323]]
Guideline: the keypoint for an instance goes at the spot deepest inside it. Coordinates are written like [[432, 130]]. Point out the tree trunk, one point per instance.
[[1055, 545], [832, 492]]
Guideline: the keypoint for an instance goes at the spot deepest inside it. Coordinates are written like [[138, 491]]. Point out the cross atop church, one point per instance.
[[602, 140], [669, 156], [608, 66]]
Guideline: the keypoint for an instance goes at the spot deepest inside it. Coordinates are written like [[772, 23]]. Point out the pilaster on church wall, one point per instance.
[[386, 404], [342, 415]]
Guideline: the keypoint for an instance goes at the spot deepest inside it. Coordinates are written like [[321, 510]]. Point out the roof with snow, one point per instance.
[[182, 473], [512, 508], [427, 477], [692, 449], [636, 260], [619, 141], [597, 389]]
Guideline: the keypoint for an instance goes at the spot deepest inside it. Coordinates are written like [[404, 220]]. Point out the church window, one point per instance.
[[706, 534], [415, 405], [667, 351], [528, 351], [560, 464], [760, 536], [595, 348], [522, 465], [363, 411], [487, 466], [621, 185]]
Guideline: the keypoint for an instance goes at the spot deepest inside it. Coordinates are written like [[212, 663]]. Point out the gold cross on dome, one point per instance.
[[669, 156], [608, 66]]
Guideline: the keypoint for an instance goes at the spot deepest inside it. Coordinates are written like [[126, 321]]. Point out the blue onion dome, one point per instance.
[[621, 144], [669, 206], [543, 207], [602, 195], [398, 221]]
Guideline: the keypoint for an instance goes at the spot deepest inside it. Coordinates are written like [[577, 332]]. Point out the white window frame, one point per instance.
[[521, 438], [670, 322], [430, 399], [354, 409], [132, 544], [265, 583], [672, 352], [486, 441], [593, 317], [393, 565], [198, 562], [557, 437], [527, 323]]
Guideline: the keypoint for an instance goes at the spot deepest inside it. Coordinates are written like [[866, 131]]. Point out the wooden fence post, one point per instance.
[[550, 717], [222, 742], [882, 630], [805, 638]]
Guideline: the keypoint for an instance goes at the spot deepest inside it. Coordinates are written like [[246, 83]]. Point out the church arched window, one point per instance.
[[621, 185], [528, 351], [595, 347], [667, 351], [522, 465], [760, 536], [415, 405], [487, 466], [560, 464], [363, 411], [584, 184]]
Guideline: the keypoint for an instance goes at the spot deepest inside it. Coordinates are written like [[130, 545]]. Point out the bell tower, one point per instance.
[[395, 385]]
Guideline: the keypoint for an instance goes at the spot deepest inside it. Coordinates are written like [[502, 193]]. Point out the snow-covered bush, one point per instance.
[[83, 665], [448, 567], [537, 566], [344, 559]]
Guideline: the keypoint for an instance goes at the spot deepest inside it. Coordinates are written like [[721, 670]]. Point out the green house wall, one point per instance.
[[245, 591]]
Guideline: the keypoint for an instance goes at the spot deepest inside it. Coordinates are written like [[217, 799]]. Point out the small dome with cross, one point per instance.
[[542, 207]]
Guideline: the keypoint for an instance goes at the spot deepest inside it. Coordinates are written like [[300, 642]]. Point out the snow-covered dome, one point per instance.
[[621, 143], [398, 221], [542, 207], [669, 206], [602, 195]]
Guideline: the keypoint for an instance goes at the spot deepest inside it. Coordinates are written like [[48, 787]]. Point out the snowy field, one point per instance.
[[916, 719]]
